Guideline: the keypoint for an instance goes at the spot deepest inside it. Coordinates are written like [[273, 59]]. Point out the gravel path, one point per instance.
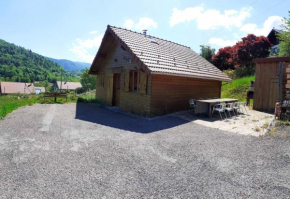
[[85, 151]]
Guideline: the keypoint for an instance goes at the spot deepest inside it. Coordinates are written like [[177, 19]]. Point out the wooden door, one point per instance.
[[116, 89], [273, 94]]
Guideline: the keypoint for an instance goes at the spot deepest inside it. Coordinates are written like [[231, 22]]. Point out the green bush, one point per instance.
[[230, 73], [245, 72]]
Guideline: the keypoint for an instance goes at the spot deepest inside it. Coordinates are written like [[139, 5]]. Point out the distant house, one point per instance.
[[274, 39], [148, 75], [39, 90], [71, 86], [16, 87]]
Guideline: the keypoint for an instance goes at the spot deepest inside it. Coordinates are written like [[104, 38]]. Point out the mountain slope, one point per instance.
[[22, 65], [70, 65]]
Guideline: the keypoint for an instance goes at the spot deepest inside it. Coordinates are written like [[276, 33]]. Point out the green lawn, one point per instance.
[[9, 103], [237, 89]]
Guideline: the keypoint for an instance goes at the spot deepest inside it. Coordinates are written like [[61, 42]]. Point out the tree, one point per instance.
[[207, 52], [284, 38], [223, 59], [88, 81], [250, 48], [20, 64], [242, 54]]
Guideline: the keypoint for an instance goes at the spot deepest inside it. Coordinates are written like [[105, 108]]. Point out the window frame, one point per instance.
[[134, 81]]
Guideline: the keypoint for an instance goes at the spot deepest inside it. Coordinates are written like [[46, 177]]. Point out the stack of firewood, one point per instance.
[[288, 83]]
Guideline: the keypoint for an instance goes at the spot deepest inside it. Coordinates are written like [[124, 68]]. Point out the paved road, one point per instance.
[[85, 151]]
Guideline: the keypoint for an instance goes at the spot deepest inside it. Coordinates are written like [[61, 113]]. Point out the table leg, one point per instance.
[[209, 110]]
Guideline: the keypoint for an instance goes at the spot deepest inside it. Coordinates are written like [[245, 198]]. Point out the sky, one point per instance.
[[73, 29]]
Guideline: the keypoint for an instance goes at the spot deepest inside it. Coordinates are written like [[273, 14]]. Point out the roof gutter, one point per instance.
[[192, 76]]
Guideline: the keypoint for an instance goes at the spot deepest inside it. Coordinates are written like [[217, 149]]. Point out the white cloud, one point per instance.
[[270, 22], [221, 42], [211, 18], [143, 23], [181, 16], [94, 32], [81, 48], [129, 24]]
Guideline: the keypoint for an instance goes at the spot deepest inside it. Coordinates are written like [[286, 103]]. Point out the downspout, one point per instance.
[[280, 81]]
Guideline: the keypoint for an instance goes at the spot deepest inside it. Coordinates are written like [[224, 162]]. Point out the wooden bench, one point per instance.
[[55, 95]]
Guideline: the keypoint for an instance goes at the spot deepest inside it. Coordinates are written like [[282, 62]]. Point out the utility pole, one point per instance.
[[60, 80]]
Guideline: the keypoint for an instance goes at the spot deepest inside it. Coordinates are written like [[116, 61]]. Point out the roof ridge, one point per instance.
[[148, 36]]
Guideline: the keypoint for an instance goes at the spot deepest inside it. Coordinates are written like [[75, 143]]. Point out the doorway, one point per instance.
[[116, 89]]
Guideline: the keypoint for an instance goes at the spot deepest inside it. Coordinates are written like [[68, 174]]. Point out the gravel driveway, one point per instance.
[[85, 151]]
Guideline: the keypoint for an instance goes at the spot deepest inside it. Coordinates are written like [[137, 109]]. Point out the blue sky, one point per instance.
[[73, 29]]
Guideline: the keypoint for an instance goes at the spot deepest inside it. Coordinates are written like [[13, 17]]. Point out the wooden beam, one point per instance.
[[273, 59], [102, 55]]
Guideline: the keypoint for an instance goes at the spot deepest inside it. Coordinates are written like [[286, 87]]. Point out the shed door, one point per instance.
[[116, 89], [273, 94]]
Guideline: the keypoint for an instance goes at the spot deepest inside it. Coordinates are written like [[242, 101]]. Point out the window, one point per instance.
[[134, 80]]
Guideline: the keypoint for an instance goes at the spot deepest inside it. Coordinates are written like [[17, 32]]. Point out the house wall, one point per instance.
[[116, 61], [172, 93], [164, 93], [267, 85]]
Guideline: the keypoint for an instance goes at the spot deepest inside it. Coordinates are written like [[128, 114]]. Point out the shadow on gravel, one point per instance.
[[99, 115]]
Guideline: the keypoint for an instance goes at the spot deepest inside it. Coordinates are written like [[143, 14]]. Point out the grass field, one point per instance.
[[9, 103], [237, 89]]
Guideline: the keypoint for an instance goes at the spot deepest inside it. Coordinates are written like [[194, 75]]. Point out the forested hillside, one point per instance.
[[71, 65], [22, 65]]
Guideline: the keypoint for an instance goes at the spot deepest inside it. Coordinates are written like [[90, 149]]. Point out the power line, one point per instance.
[[253, 2], [249, 18], [223, 27], [265, 11]]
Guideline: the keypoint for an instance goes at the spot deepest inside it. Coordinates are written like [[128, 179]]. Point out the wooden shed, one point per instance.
[[150, 76], [270, 82]]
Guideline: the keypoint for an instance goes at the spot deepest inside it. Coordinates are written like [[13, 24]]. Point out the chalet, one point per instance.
[[71, 86], [150, 76], [16, 87], [273, 38]]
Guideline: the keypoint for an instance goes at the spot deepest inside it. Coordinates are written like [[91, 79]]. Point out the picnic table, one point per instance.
[[205, 105]]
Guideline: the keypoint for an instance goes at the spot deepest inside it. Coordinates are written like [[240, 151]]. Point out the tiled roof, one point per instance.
[[68, 85], [17, 87], [166, 57]]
